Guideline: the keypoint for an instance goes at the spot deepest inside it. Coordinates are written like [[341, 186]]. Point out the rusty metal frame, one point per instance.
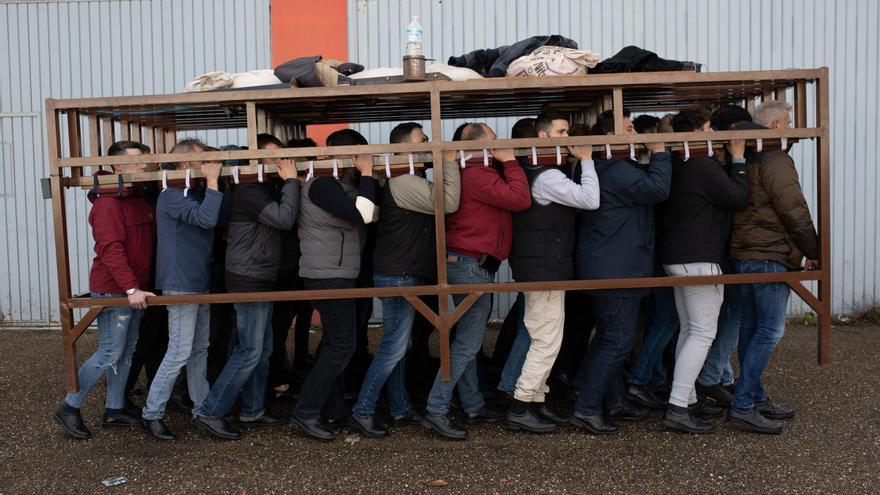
[[270, 110]]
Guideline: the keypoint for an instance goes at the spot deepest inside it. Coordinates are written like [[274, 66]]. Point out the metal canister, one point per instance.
[[414, 67]]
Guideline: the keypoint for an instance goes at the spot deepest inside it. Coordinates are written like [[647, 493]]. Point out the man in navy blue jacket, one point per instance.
[[616, 241], [186, 221]]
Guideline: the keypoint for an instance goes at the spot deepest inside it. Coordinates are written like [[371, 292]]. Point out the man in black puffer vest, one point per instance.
[[543, 250]]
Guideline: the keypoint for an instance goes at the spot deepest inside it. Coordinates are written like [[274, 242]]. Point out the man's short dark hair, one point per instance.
[[302, 143], [456, 136], [724, 117], [188, 145], [690, 119], [579, 129], [119, 147], [402, 132], [474, 132], [605, 123], [266, 139], [544, 122], [524, 128], [646, 124], [346, 137]]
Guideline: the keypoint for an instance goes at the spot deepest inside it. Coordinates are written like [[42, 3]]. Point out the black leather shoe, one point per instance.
[[681, 419], [122, 418], [157, 429], [703, 409], [596, 424], [753, 421], [529, 421], [408, 419], [217, 427], [772, 410], [484, 415], [312, 428], [366, 426], [265, 420], [545, 412], [716, 393], [72, 424], [333, 424], [644, 396], [629, 412], [442, 424]]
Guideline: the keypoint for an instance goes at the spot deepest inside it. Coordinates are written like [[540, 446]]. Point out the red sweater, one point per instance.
[[124, 228], [482, 224]]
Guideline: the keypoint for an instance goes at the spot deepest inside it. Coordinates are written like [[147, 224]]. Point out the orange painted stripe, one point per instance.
[[302, 28]]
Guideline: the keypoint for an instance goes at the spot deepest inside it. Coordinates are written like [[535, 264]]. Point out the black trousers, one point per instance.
[[151, 346], [324, 388], [283, 313]]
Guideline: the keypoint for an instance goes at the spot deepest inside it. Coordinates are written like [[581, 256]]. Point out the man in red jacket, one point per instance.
[[123, 225], [478, 238]]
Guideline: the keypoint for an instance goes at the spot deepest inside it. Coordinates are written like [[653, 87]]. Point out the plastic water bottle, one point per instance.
[[414, 37]]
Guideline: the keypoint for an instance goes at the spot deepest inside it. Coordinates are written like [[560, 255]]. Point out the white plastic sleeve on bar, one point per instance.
[[412, 167], [387, 165], [186, 182], [164, 179], [335, 169], [485, 157], [311, 173], [760, 145], [260, 173], [534, 156], [235, 174], [607, 151], [687, 151], [710, 151], [632, 152], [558, 155], [783, 142], [461, 157]]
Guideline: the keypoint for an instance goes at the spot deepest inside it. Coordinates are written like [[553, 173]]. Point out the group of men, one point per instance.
[[593, 216]]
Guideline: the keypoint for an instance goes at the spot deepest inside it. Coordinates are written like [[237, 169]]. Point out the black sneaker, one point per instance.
[[442, 424], [716, 393], [753, 421], [644, 396], [772, 410], [484, 415], [529, 421], [72, 424], [681, 419]]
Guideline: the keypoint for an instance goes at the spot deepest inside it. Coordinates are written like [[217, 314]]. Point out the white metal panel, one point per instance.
[[85, 49], [723, 35]]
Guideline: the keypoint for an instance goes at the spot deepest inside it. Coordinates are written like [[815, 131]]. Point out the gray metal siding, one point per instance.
[[723, 35], [89, 49]]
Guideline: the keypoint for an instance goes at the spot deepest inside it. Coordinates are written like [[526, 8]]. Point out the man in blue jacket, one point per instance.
[[616, 241], [186, 220]]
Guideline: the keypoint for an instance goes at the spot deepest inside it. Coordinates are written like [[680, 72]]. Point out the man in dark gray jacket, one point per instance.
[[253, 257]]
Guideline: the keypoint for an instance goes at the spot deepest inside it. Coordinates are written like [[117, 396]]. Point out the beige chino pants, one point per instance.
[[544, 318]]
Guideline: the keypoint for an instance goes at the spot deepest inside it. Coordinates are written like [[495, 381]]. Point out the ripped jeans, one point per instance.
[[117, 337]]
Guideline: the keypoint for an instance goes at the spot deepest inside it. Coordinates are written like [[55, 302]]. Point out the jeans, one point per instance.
[[600, 379], [718, 369], [648, 368], [247, 370], [698, 309], [117, 338], [324, 388], [467, 342], [389, 362], [189, 328], [763, 323], [519, 350]]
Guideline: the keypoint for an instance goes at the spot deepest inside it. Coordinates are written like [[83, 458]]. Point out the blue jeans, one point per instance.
[[247, 370], [389, 364], [467, 342], [648, 368], [717, 368], [600, 378], [519, 350], [763, 323], [117, 337], [189, 327]]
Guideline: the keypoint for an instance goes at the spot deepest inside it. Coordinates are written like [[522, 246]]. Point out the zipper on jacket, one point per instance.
[[341, 249]]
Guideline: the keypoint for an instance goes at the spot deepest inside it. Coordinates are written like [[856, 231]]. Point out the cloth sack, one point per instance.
[[553, 61]]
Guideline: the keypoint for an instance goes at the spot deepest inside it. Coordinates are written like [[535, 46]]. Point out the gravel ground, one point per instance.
[[833, 446]]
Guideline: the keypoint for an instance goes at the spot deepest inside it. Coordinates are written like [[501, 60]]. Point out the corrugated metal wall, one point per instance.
[[70, 49], [723, 35]]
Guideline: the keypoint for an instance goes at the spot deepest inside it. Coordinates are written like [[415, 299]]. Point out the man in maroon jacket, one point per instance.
[[478, 238], [123, 225]]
